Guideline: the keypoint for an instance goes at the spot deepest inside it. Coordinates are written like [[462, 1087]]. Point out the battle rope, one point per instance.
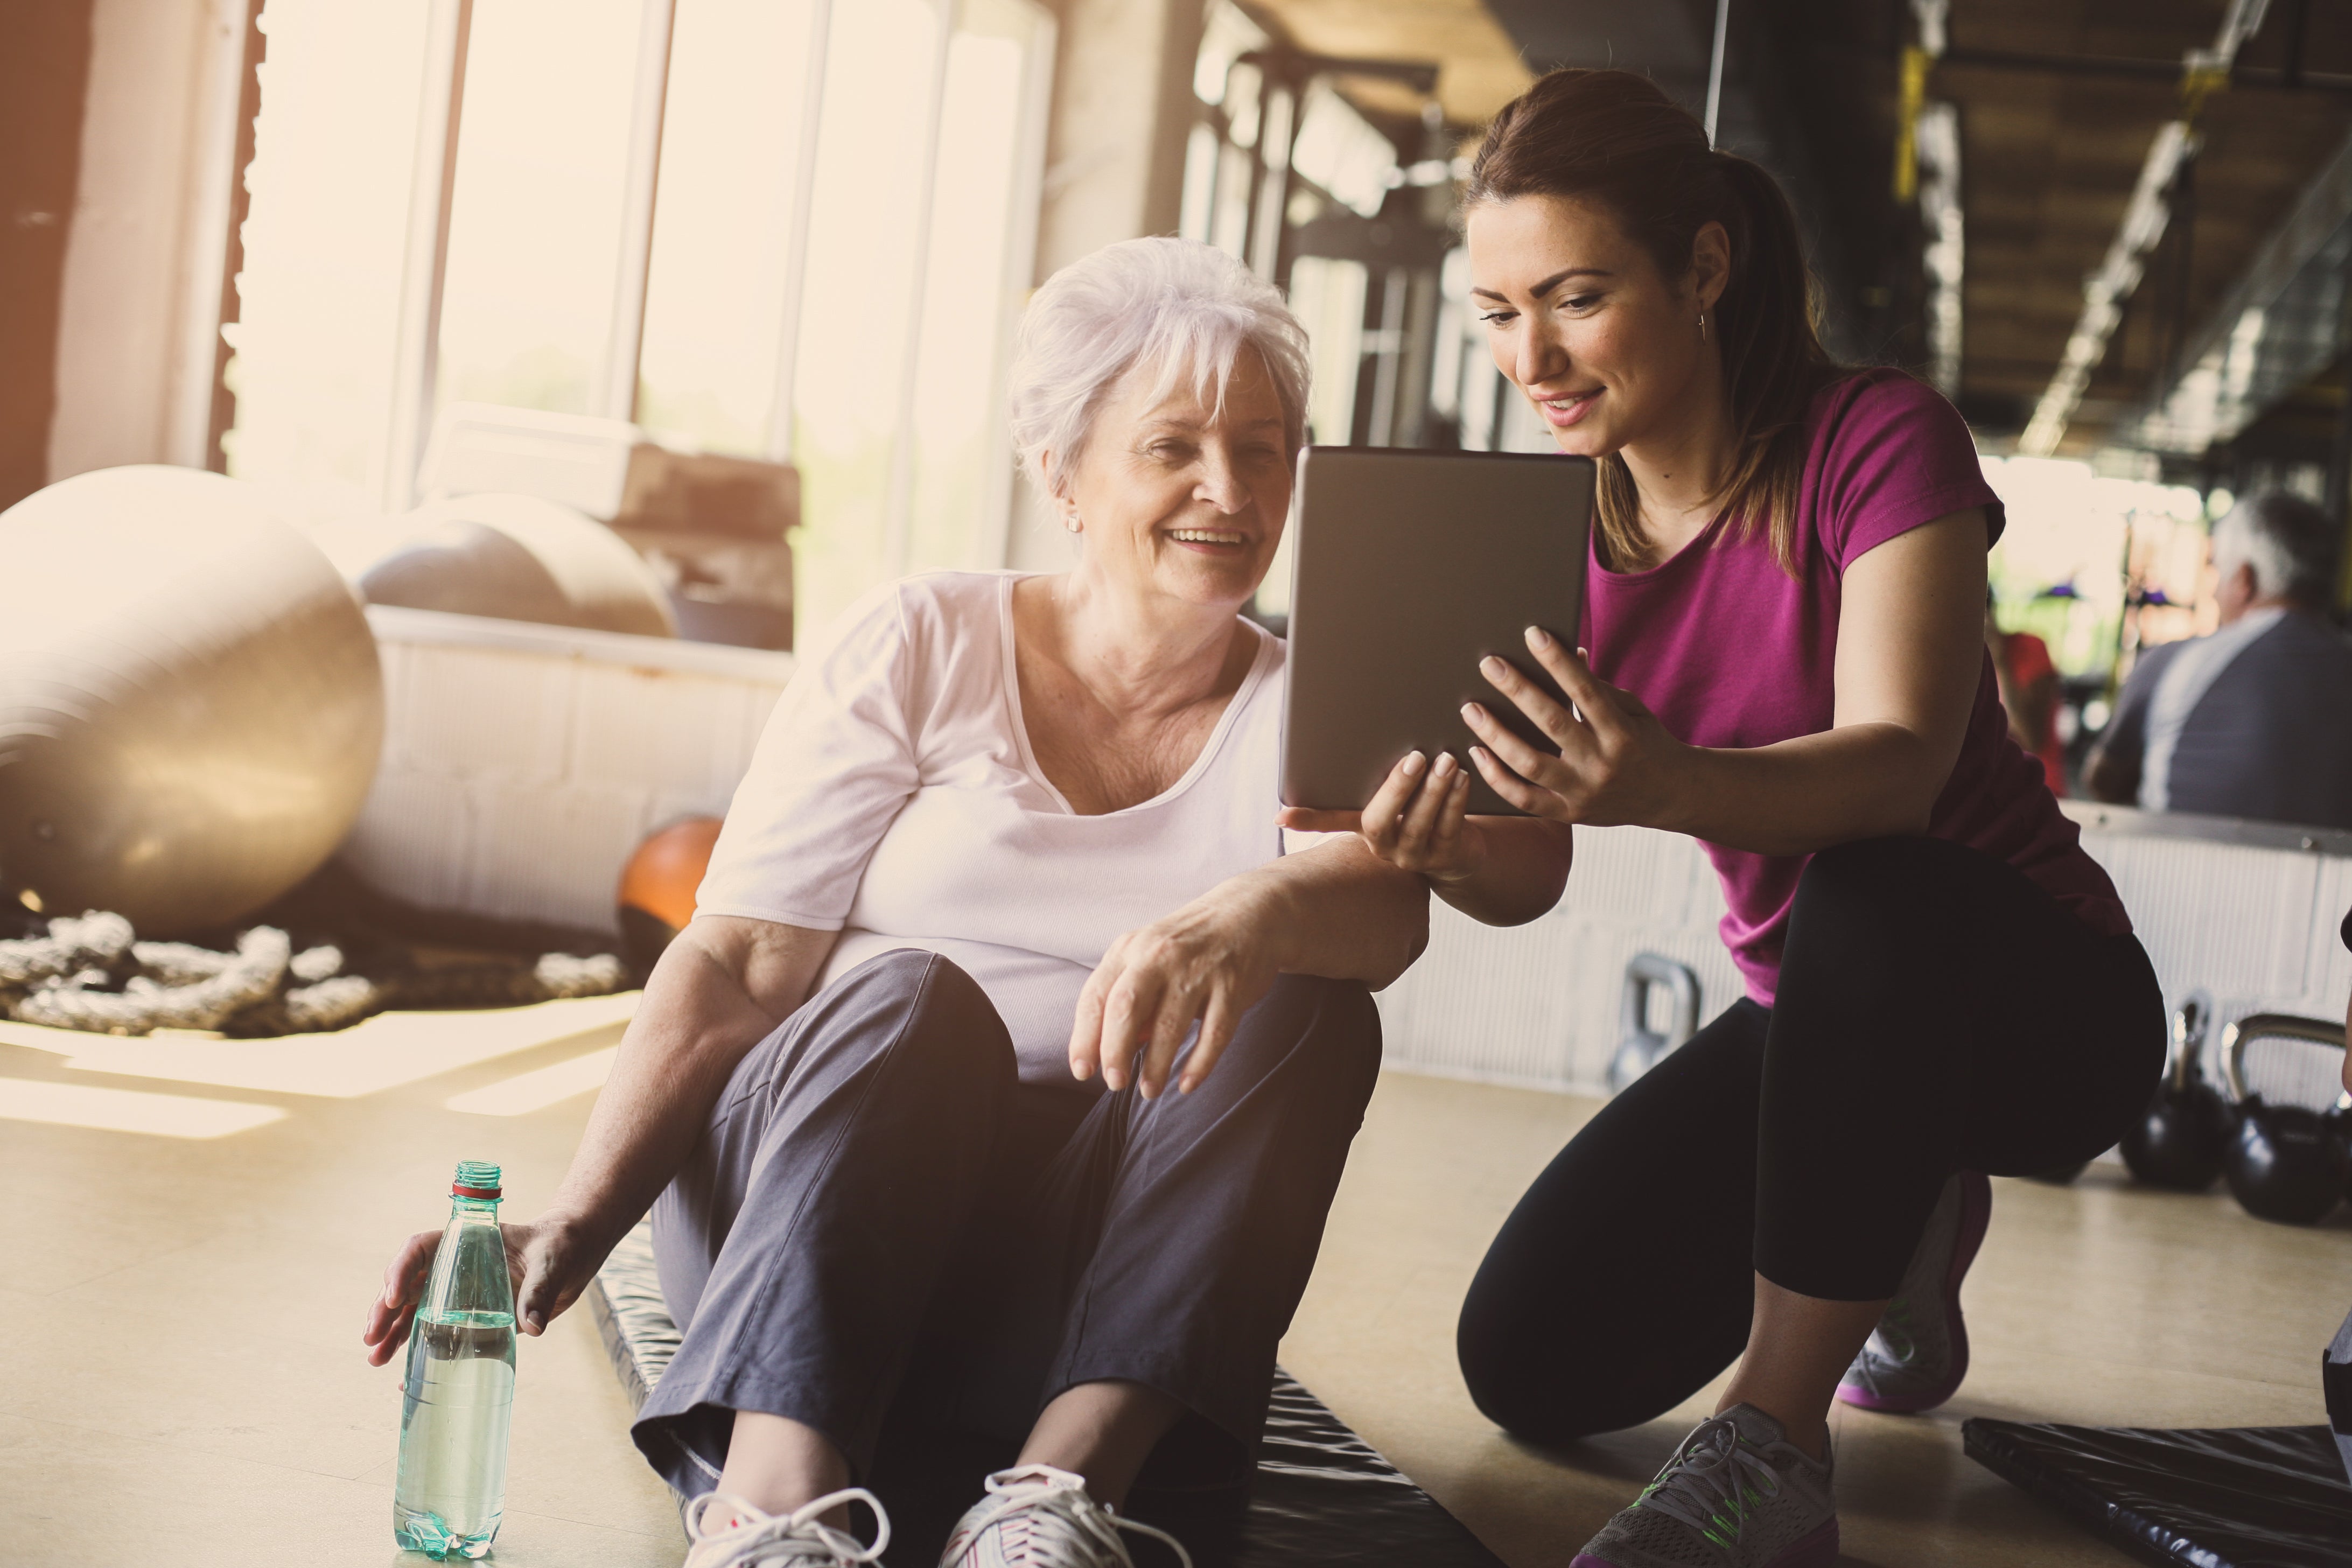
[[90, 974]]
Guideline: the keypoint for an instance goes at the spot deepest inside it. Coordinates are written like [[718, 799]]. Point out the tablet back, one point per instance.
[[1409, 568]]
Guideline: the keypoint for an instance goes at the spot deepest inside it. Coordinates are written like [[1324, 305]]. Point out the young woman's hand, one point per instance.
[[551, 1260], [1415, 821], [1616, 765]]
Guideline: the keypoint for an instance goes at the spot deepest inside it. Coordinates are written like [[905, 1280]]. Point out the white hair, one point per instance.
[[1163, 307], [2285, 541]]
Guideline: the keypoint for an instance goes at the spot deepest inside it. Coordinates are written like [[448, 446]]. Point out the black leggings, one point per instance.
[[1937, 1011]]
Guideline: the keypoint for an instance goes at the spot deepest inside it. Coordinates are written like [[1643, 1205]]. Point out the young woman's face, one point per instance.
[[1611, 353], [1184, 499]]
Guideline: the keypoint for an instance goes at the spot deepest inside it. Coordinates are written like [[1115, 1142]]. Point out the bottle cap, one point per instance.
[[475, 1179]]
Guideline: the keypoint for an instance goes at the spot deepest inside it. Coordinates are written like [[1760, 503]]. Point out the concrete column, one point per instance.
[[1114, 166], [139, 311]]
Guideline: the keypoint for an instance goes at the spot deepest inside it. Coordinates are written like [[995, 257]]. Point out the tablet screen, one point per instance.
[[1409, 567]]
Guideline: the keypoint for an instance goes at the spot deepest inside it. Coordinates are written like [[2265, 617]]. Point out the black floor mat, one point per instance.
[[1321, 1498], [2230, 1497]]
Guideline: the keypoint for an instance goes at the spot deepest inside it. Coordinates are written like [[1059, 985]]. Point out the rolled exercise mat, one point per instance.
[[2336, 1380], [1322, 1497], [2230, 1497]]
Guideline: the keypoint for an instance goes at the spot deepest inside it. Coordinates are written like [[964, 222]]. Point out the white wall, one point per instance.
[[2253, 925], [522, 763]]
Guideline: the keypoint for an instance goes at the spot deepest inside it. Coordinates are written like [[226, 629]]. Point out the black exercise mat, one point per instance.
[[1322, 1496], [2228, 1497]]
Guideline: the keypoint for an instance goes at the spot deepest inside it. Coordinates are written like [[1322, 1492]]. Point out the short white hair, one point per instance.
[[2284, 539], [1165, 307]]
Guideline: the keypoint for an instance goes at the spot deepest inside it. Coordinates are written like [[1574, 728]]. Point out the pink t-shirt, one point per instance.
[[1729, 650]]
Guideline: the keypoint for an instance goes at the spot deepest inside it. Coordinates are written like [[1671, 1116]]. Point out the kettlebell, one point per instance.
[[2177, 1141], [2282, 1162], [1638, 1047]]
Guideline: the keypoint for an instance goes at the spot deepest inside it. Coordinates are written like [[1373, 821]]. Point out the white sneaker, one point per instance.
[[1039, 1517], [750, 1538]]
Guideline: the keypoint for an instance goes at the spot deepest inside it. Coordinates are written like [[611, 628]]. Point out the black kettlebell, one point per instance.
[[2282, 1162], [2177, 1142]]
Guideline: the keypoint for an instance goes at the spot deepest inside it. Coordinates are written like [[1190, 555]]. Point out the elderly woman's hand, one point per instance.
[[1414, 821], [549, 1260], [1207, 963]]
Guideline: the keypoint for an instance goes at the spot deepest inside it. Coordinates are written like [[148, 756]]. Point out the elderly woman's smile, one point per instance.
[[1192, 503]]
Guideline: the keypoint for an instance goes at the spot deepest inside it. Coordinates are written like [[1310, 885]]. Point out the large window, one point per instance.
[[798, 229]]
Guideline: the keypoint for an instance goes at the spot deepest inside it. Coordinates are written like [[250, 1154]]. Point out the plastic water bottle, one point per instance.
[[460, 1387]]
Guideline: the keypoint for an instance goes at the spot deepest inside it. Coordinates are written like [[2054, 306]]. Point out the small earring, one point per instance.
[[1075, 523], [1701, 326]]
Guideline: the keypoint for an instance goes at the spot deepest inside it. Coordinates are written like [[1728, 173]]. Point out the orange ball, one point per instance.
[[658, 883]]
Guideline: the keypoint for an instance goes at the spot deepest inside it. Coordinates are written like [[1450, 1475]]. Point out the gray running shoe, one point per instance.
[[1736, 1494], [1915, 1358]]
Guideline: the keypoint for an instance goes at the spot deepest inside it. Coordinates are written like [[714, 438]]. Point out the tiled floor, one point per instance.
[[181, 1379]]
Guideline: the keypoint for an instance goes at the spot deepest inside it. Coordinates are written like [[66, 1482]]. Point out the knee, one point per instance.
[[941, 1013], [1502, 1354], [1330, 1030]]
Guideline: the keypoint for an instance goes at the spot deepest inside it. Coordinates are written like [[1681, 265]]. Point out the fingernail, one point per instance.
[[1583, 653], [1413, 762], [1081, 1071], [1539, 637], [1445, 764], [1490, 665], [1470, 711]]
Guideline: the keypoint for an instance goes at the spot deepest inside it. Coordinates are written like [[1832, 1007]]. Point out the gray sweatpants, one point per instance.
[[882, 1219]]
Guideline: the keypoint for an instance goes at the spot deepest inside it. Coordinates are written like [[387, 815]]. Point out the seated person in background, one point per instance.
[[896, 1098], [2029, 694], [2254, 721]]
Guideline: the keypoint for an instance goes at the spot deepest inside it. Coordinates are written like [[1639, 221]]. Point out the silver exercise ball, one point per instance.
[[191, 707], [515, 558]]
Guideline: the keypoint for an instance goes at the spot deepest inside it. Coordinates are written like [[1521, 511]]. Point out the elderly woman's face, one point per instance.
[[1179, 498]]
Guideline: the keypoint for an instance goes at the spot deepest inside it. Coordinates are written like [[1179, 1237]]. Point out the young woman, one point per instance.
[[1786, 661]]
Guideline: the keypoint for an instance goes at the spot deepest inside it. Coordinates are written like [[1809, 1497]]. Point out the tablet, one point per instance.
[[1408, 568]]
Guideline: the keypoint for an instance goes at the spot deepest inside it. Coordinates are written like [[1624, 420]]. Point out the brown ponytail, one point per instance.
[[1613, 138]]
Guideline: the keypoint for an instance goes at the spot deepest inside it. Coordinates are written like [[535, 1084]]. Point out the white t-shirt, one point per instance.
[[894, 798]]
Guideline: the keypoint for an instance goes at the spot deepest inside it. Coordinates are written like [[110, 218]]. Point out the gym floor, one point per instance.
[[183, 1381]]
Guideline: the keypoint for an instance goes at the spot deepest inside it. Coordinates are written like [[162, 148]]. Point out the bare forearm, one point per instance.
[[1520, 871], [1859, 781], [1338, 911], [696, 1021]]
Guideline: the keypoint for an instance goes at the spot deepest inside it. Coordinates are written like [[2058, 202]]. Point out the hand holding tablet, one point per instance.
[[1412, 570]]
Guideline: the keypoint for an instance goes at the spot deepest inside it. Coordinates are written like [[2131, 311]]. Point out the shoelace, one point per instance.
[[1090, 1527], [1716, 1483], [800, 1538]]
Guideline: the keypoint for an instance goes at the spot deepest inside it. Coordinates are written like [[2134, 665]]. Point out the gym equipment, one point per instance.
[[1638, 1047], [2335, 1387], [2177, 1142], [90, 974], [191, 707], [509, 557], [1321, 1496], [658, 886], [2284, 1161], [2243, 1497]]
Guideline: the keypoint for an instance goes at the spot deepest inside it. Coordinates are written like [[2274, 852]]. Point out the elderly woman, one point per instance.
[[896, 1096]]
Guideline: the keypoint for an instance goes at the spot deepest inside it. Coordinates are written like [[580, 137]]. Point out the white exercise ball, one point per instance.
[[191, 705], [511, 557]]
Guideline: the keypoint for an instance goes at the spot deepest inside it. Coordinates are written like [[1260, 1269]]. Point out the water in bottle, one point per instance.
[[460, 1389]]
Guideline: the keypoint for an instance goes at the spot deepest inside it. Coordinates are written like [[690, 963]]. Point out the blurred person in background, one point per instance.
[[2029, 693], [2255, 719]]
